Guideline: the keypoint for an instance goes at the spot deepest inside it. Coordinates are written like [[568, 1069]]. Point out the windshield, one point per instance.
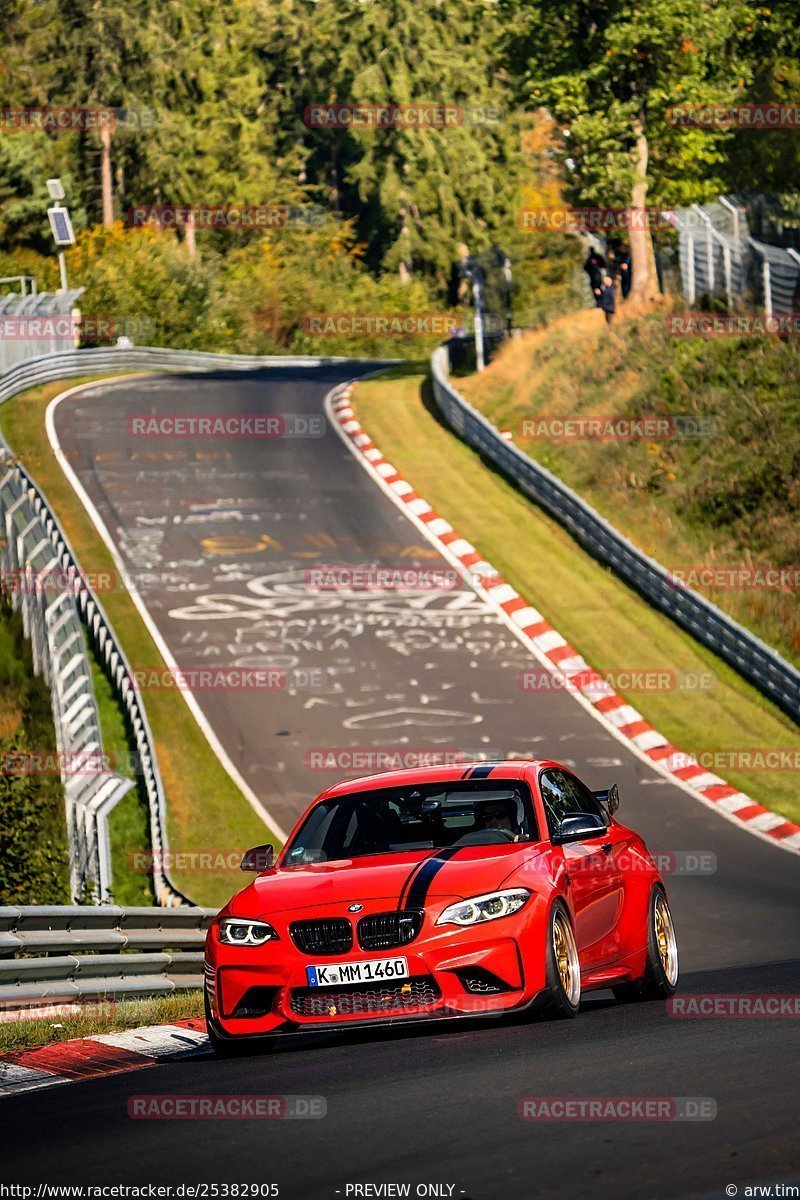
[[431, 817]]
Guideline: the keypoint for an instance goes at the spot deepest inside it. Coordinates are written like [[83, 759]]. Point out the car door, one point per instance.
[[593, 868]]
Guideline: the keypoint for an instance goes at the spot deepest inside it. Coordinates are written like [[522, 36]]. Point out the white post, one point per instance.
[[726, 258], [478, 295], [734, 211]]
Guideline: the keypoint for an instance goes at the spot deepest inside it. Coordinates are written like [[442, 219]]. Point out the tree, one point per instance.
[[770, 161], [610, 71], [416, 192], [218, 138], [91, 55]]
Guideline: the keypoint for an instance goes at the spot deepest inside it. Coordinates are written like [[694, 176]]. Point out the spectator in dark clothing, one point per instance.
[[625, 271], [594, 266], [608, 298]]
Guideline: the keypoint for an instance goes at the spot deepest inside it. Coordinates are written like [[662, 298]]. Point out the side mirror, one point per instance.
[[610, 798], [578, 827], [259, 858]]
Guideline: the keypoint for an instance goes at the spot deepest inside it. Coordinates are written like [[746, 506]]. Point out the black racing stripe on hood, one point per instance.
[[414, 871], [420, 884]]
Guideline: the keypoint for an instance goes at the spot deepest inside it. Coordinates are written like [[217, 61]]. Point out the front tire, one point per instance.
[[562, 996], [660, 977]]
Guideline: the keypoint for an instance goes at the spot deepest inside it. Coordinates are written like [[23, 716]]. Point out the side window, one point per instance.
[[582, 799], [566, 796], [556, 801]]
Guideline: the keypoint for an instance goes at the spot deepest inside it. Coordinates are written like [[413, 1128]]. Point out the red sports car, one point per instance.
[[440, 892]]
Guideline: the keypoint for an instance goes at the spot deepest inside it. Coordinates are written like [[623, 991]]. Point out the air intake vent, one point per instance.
[[256, 1002], [416, 993], [481, 982]]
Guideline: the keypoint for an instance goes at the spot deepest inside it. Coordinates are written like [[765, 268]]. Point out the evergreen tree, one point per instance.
[[416, 192]]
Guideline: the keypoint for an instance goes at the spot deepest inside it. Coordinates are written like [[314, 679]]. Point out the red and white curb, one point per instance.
[[103, 1054], [552, 650]]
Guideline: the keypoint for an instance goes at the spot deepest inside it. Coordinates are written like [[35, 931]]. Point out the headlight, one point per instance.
[[484, 908], [234, 931]]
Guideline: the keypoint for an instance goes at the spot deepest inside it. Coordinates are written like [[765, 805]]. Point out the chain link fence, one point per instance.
[[720, 256]]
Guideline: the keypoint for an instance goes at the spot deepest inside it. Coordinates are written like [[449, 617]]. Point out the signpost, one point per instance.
[[60, 226]]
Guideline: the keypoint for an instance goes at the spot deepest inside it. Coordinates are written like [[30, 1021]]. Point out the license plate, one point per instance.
[[376, 971]]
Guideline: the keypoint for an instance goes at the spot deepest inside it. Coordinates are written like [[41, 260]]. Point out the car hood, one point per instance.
[[416, 876]]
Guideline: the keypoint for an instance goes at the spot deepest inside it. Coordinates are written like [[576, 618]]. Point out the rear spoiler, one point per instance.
[[609, 797]]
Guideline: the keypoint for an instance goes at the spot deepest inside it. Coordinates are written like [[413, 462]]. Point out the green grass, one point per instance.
[[102, 1016], [612, 627], [33, 835], [728, 499], [205, 809]]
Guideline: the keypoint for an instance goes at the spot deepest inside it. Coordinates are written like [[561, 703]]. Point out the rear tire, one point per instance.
[[660, 977], [562, 997]]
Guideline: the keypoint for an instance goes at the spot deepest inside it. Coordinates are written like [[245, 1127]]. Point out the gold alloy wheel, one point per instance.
[[566, 956], [665, 940]]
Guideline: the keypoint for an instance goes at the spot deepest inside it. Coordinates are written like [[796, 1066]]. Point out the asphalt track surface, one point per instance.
[[219, 535]]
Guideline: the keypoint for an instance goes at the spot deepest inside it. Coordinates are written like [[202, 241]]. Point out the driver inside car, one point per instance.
[[498, 814]]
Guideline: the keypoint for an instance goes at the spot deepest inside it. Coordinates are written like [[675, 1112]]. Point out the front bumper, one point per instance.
[[453, 972]]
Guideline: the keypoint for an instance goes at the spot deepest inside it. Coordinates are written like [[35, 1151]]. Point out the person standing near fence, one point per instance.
[[625, 270], [594, 266], [608, 298]]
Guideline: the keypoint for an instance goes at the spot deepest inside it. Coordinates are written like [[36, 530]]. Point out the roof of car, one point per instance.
[[514, 768]]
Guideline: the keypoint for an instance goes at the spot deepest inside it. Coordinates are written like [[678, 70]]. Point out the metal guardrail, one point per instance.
[[32, 559], [51, 367], [753, 659], [85, 952], [39, 545]]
